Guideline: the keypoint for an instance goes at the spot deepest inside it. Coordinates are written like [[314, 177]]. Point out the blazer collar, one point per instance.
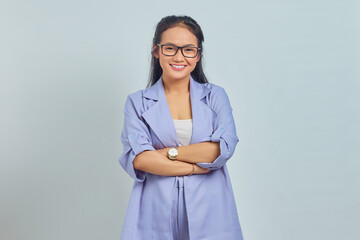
[[159, 118], [197, 90]]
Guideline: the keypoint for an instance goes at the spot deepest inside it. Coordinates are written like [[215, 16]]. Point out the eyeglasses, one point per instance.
[[171, 50]]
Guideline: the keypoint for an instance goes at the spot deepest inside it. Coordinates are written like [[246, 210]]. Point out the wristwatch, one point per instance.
[[173, 153]]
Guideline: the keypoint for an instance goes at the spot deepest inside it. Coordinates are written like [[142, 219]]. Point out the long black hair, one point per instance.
[[169, 22]]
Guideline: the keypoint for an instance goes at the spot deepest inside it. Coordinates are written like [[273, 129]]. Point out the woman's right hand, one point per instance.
[[200, 170]]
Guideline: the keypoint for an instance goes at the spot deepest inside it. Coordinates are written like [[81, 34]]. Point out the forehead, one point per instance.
[[179, 36]]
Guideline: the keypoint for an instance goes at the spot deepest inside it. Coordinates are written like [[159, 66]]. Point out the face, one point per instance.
[[179, 36]]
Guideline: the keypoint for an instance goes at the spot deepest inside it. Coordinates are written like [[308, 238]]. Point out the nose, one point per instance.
[[178, 56]]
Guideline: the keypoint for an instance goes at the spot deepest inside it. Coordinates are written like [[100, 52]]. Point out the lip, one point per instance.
[[178, 69]]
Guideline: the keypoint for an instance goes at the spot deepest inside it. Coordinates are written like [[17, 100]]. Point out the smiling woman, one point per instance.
[[178, 134]]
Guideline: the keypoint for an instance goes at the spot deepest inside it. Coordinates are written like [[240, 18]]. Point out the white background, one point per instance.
[[290, 68]]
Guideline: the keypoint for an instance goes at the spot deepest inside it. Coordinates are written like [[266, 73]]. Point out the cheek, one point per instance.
[[194, 62], [193, 65], [163, 63]]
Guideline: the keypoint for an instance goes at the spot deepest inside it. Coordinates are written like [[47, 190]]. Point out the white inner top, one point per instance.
[[184, 130]]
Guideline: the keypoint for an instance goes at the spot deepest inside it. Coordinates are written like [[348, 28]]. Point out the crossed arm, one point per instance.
[[157, 162], [210, 154]]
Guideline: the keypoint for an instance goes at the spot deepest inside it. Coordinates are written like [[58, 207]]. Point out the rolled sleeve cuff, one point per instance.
[[138, 145], [221, 159]]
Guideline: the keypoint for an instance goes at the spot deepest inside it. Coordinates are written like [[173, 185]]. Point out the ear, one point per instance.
[[155, 51]]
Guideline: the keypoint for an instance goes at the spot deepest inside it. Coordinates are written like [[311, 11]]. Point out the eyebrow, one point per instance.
[[187, 45]]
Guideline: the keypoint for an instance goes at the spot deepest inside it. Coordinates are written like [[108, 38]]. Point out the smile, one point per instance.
[[177, 67]]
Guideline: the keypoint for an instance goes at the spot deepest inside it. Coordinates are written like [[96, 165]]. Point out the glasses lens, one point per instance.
[[169, 50], [190, 51]]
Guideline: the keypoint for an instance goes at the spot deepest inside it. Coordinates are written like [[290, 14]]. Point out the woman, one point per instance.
[[178, 135]]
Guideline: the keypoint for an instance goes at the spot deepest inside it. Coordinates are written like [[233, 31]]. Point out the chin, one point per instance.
[[179, 77]]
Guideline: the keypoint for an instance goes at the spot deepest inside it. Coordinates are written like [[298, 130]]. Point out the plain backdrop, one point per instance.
[[290, 68]]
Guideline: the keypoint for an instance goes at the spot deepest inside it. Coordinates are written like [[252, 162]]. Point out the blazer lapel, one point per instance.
[[159, 118]]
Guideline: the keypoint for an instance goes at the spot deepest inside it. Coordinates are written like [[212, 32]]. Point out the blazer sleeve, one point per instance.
[[225, 130], [135, 138]]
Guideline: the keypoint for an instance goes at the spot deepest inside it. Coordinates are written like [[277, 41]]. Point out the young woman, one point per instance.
[[178, 134]]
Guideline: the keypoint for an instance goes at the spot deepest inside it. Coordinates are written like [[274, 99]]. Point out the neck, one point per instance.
[[176, 86]]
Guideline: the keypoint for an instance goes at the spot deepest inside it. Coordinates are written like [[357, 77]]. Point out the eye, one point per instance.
[[169, 48], [189, 49]]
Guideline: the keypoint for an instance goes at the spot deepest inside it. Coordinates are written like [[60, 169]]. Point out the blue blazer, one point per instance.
[[210, 203]]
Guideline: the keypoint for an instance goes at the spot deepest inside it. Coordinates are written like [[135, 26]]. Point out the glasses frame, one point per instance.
[[178, 47]]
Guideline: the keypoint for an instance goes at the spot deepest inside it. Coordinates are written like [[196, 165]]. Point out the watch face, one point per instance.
[[173, 152]]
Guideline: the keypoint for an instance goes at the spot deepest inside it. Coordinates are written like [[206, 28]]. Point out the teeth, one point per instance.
[[178, 66]]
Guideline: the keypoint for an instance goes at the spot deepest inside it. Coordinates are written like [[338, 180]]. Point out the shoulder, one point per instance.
[[217, 95], [134, 102], [217, 99], [214, 88]]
